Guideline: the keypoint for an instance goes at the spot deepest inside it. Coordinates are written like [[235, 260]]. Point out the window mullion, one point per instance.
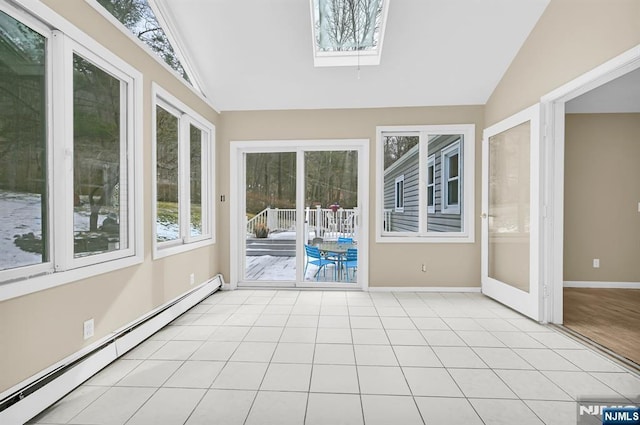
[[62, 148], [422, 185], [184, 178]]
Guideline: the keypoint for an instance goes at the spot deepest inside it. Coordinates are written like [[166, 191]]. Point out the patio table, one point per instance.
[[339, 249]]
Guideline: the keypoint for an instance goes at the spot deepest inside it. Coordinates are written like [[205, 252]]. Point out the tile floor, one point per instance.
[[301, 357]]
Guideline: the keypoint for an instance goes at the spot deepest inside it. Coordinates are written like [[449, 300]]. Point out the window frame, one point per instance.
[[186, 117], [61, 268], [431, 162], [399, 194], [467, 235], [448, 152]]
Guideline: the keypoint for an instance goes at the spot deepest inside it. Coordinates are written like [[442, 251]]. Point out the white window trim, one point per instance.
[[449, 151], [187, 116], [431, 162], [62, 268], [195, 88], [468, 217], [398, 202]]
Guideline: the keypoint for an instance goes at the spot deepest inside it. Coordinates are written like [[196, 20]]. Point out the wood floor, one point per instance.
[[610, 317]]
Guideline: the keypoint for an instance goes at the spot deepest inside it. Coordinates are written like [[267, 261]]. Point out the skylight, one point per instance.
[[348, 32], [139, 18]]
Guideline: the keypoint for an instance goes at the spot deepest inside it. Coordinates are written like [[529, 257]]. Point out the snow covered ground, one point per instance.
[[20, 213]]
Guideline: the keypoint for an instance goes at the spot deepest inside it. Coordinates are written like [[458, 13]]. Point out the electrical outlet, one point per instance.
[[88, 329], [192, 278], [424, 268], [596, 263]]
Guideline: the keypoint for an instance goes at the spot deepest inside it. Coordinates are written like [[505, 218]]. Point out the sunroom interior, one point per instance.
[[140, 142]]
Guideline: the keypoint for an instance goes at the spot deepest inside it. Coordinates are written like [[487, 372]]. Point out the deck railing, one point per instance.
[[323, 222]]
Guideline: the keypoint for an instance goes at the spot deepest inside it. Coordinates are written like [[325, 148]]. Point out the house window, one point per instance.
[[431, 194], [424, 193], [99, 160], [183, 176], [399, 194], [24, 234], [451, 179], [69, 106], [139, 18]]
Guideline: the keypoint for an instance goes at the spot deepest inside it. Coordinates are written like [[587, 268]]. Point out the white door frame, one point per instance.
[[528, 303], [236, 151], [553, 116]]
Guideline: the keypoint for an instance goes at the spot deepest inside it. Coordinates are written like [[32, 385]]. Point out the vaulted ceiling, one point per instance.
[[258, 54]]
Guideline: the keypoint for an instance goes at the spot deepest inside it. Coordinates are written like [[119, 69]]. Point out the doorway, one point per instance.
[[592, 156], [297, 218]]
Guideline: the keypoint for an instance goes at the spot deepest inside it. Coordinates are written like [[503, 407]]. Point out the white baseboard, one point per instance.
[[594, 284], [424, 289], [108, 348]]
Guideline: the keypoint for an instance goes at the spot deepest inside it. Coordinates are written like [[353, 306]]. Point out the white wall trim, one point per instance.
[[115, 347], [599, 284], [470, 289]]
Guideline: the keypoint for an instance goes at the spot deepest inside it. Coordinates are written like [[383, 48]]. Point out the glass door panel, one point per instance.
[[509, 206], [331, 216], [270, 211], [511, 216]]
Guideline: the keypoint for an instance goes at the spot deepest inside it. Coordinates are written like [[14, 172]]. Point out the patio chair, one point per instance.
[[351, 261], [345, 240], [315, 257]]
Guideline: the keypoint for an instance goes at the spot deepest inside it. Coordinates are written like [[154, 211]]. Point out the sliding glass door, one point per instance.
[[299, 211]]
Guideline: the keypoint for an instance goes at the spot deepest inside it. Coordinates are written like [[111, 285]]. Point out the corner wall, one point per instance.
[[390, 264], [571, 38], [40, 329], [602, 192]]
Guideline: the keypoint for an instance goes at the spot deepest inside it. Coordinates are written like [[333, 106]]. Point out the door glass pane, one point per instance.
[[509, 206], [98, 177], [331, 215], [167, 190], [196, 181], [23, 146], [270, 212], [401, 163]]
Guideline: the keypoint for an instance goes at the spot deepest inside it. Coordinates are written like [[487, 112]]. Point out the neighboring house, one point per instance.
[[443, 186]]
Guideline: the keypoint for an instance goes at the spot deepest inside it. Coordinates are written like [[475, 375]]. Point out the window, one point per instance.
[[348, 32], [24, 234], [183, 176], [431, 194], [451, 179], [424, 193], [69, 106], [399, 204], [140, 19]]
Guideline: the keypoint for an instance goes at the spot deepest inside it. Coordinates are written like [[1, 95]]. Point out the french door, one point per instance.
[[511, 212], [291, 195]]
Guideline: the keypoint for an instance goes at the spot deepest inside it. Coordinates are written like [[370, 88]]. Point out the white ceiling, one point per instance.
[[258, 54], [617, 96]]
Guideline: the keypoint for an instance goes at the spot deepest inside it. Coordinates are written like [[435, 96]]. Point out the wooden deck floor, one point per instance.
[[268, 267], [610, 317]]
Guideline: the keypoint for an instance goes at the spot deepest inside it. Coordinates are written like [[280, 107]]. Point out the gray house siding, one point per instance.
[[408, 220], [438, 222]]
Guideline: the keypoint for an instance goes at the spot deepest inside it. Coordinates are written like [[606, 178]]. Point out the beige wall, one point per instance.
[[571, 38], [40, 329], [602, 192], [389, 264]]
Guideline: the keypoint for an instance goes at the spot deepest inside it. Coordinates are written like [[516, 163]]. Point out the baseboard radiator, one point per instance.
[[24, 401]]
